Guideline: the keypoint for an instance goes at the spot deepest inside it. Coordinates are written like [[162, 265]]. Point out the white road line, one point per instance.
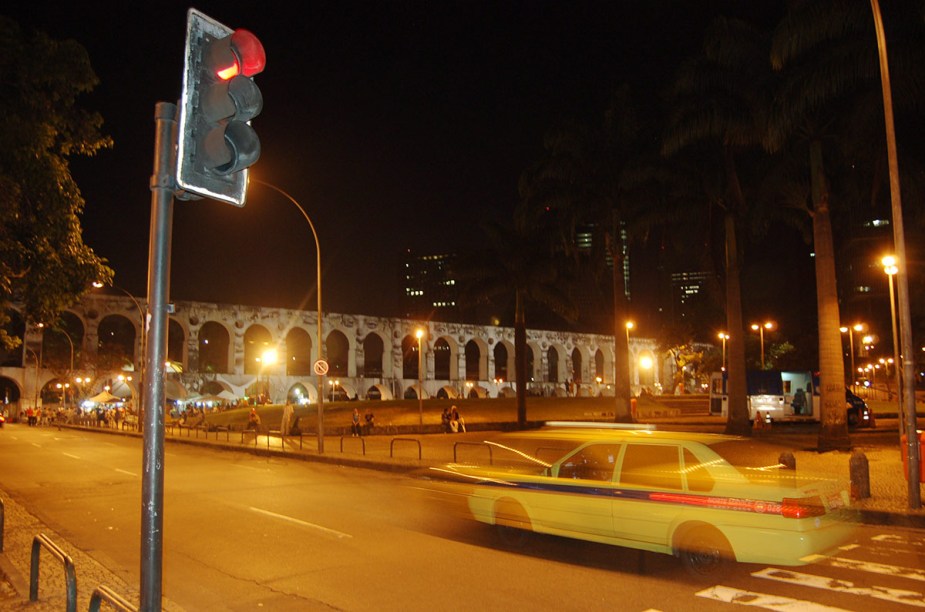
[[70, 455], [763, 600], [896, 539], [36, 445], [899, 596], [333, 532], [879, 568], [126, 472]]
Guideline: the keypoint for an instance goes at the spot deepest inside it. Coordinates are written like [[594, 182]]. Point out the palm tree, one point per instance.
[[519, 263], [597, 178], [716, 107], [828, 106]]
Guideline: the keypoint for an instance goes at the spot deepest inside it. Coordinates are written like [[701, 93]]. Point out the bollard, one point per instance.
[[859, 471], [787, 460]]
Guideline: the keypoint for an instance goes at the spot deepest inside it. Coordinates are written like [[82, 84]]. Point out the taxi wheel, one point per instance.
[[512, 524], [704, 551]]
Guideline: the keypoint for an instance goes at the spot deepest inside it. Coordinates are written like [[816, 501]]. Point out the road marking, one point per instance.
[[878, 568], [70, 455], [126, 472], [897, 539], [36, 445], [333, 532], [763, 600], [910, 598]]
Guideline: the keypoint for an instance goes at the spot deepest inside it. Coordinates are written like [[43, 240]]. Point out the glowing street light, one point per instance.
[[268, 359], [857, 327], [890, 268], [767, 325], [724, 336]]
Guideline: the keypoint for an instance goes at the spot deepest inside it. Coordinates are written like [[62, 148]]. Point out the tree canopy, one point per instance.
[[44, 264]]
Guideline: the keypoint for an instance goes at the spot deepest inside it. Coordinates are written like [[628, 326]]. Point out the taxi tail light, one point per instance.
[[802, 507]]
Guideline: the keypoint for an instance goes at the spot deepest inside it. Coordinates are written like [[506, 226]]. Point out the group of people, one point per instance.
[[452, 421]]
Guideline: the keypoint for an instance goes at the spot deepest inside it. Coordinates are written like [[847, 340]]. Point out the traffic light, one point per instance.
[[219, 98]]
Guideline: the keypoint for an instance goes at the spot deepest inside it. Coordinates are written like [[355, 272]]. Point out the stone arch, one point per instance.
[[534, 362], [412, 391], [599, 371], [215, 349], [374, 356], [409, 358], [445, 356], [115, 342], [257, 340], [577, 366], [476, 359], [447, 392], [553, 367], [301, 394], [337, 349], [176, 343], [298, 352], [379, 392], [503, 354]]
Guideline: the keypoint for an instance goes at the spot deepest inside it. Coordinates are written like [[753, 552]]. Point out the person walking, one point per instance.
[[286, 424]]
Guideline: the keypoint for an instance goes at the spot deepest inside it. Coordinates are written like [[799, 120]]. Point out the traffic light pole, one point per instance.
[[163, 185]]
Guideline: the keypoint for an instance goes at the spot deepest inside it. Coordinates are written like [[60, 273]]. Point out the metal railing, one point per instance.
[[394, 440], [41, 541], [103, 593]]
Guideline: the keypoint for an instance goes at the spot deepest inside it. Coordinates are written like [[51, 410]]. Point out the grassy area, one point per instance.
[[407, 412]]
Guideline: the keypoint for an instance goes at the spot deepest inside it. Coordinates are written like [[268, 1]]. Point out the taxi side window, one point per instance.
[[595, 462], [651, 465], [698, 477]]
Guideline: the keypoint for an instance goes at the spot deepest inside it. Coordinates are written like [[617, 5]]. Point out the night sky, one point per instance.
[[397, 125]]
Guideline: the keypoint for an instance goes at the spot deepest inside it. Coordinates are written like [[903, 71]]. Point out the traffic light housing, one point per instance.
[[216, 141]]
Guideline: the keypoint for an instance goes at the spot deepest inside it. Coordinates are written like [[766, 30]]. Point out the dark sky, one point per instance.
[[397, 125]]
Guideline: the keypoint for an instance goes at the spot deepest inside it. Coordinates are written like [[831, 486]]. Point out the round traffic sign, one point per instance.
[[320, 367]]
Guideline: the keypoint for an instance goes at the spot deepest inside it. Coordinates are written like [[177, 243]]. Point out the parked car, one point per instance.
[[706, 498], [858, 412]]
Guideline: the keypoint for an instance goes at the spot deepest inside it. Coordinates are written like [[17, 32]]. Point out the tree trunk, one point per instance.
[[833, 433], [736, 387], [621, 360], [520, 359]]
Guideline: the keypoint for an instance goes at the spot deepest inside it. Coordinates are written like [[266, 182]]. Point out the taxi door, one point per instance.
[[648, 475], [581, 497]]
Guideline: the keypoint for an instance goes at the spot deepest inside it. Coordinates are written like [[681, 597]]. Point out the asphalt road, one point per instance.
[[247, 532]]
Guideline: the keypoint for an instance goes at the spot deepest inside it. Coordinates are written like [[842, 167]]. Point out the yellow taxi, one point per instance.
[[706, 498]]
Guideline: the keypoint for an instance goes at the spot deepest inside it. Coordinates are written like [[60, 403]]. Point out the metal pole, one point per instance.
[[421, 380], [896, 366], [163, 185], [899, 248], [853, 370], [320, 320]]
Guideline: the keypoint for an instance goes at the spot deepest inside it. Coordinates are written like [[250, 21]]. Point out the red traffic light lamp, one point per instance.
[[216, 141]]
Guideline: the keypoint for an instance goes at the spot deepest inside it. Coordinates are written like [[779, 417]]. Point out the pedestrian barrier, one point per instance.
[[394, 440], [360, 438], [103, 593], [41, 541], [488, 446]]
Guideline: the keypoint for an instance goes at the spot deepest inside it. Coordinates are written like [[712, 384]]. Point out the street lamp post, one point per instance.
[[320, 367], [69, 341], [857, 327], [629, 362], [899, 243], [420, 336], [724, 336], [890, 268], [767, 325]]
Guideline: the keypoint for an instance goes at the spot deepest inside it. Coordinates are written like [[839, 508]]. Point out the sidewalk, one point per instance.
[[405, 450]]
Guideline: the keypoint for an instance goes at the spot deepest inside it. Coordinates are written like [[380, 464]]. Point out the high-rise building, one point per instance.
[[429, 290]]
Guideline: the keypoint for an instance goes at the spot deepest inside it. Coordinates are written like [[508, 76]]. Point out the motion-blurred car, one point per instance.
[[858, 414], [706, 498]]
